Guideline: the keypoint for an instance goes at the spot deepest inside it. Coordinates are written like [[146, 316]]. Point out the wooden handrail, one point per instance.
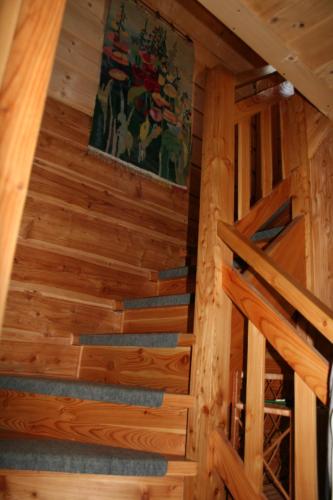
[[264, 208], [230, 467], [301, 356], [254, 104], [315, 311]]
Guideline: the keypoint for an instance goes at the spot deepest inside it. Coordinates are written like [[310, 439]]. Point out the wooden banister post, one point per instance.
[[212, 325], [254, 409], [22, 96]]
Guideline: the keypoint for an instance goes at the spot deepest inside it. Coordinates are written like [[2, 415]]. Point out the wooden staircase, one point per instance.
[[124, 391]]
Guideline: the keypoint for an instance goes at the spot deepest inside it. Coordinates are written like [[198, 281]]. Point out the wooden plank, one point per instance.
[[255, 74], [158, 319], [28, 358], [259, 102], [41, 317], [266, 151], [305, 460], [264, 209], [211, 354], [161, 429], [231, 469], [241, 17], [244, 167], [32, 52], [254, 409], [315, 311], [26, 484], [156, 368], [9, 12], [185, 284], [303, 358]]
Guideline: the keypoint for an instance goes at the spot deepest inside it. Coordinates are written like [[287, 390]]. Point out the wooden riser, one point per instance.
[[24, 485], [158, 319], [160, 430], [174, 286], [160, 368], [155, 368]]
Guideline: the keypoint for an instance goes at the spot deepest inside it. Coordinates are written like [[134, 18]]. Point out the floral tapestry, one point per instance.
[[143, 106]]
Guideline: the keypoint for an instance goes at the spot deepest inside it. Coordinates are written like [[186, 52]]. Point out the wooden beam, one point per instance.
[[253, 75], [302, 357], [259, 35], [317, 313], [212, 325], [24, 88], [257, 103], [9, 12], [254, 408], [231, 469], [264, 208]]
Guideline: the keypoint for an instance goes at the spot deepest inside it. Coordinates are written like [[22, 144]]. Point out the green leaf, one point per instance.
[[134, 92]]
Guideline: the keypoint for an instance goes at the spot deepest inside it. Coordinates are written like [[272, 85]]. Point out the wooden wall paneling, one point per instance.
[[37, 317], [211, 354], [254, 408], [28, 358], [31, 52]]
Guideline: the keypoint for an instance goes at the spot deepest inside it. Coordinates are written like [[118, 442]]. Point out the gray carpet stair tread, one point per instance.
[[132, 340], [177, 272], [167, 300], [106, 393], [267, 234], [69, 456]]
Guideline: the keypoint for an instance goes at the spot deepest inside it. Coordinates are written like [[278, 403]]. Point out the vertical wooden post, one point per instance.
[[22, 97], [244, 166], [254, 416], [9, 11], [266, 151], [212, 326], [295, 161]]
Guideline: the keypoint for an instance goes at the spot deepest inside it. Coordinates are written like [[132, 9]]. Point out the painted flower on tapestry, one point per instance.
[[143, 105]]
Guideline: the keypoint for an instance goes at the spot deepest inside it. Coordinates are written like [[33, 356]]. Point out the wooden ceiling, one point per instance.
[[295, 36]]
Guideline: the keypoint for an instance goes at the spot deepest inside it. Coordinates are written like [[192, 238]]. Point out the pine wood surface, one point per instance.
[[211, 354], [315, 311], [264, 209], [158, 319], [161, 430], [231, 469], [156, 368], [302, 357], [23, 485], [32, 48]]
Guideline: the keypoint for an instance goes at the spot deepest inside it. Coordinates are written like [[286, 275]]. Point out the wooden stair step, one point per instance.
[[165, 369], [156, 429], [159, 301], [160, 340], [158, 319]]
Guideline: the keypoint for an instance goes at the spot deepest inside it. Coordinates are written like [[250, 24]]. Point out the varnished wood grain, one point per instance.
[[22, 103], [302, 357], [158, 319], [149, 429], [157, 368], [25, 485]]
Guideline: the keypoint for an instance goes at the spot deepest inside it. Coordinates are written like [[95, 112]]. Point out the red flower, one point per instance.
[[107, 51], [138, 75], [151, 84]]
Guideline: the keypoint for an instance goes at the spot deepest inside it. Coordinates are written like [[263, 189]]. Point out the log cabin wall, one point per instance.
[[94, 231]]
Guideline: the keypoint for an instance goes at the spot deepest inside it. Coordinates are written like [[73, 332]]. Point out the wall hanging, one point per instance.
[[143, 105]]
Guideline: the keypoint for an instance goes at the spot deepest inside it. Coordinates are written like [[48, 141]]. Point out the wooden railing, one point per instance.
[[267, 293]]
